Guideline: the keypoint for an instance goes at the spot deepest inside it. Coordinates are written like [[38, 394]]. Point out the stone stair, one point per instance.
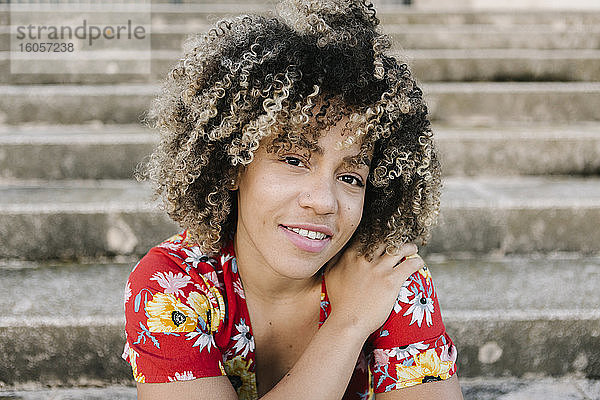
[[43, 327], [514, 98]]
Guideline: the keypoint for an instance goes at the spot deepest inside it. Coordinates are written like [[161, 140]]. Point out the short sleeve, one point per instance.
[[412, 346], [172, 312]]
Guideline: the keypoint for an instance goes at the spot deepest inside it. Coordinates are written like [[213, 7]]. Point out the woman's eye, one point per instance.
[[352, 180], [293, 161]]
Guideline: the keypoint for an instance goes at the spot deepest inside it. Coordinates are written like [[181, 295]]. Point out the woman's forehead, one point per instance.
[[326, 141]]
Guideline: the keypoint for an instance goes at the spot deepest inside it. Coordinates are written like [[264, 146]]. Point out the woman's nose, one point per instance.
[[319, 196]]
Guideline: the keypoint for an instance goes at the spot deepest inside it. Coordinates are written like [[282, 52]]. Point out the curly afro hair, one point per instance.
[[252, 75]]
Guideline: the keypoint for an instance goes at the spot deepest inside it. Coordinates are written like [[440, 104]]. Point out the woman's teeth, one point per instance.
[[309, 234]]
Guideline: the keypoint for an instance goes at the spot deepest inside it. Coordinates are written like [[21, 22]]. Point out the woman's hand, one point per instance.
[[362, 293]]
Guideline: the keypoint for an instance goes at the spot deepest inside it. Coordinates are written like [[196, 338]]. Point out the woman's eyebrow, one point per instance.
[[358, 159]]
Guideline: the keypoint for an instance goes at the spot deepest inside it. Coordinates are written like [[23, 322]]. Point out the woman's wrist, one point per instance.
[[350, 324]]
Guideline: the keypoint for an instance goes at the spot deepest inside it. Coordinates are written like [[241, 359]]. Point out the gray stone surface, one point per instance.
[[194, 14], [465, 103], [393, 15], [125, 103], [503, 65], [437, 65], [197, 13], [518, 215], [542, 388], [427, 36], [507, 317], [468, 288], [472, 388], [482, 103], [73, 219], [101, 393], [74, 152], [529, 150], [78, 219], [115, 151]]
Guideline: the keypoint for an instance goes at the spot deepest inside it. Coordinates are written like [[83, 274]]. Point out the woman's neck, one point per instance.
[[266, 285]]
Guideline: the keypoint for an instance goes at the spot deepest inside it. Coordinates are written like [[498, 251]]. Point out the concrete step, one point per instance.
[[197, 13], [79, 219], [504, 65], [438, 65], [468, 15], [450, 102], [194, 14], [72, 104], [421, 36], [472, 388], [74, 152], [483, 36], [424, 36], [491, 104], [520, 150], [518, 215], [504, 315], [114, 151]]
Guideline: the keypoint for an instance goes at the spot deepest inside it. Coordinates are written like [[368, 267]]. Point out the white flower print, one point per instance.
[[212, 276], [182, 376], [203, 339], [402, 297], [420, 306], [195, 256], [244, 341], [125, 350], [225, 258], [382, 357], [448, 353], [127, 293], [406, 351], [238, 288], [170, 282]]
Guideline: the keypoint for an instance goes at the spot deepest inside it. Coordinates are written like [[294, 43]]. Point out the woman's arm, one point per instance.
[[441, 390], [326, 366]]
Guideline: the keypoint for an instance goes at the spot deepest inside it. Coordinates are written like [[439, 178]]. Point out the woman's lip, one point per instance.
[[311, 227], [304, 243]]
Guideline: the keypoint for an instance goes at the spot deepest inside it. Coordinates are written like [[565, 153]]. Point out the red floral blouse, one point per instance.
[[186, 318]]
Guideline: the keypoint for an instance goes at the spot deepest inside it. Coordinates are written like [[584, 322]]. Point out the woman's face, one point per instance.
[[295, 210]]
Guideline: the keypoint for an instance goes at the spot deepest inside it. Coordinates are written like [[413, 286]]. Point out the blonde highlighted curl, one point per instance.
[[254, 77]]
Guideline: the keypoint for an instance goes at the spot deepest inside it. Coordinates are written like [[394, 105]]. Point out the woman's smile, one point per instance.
[[311, 240]]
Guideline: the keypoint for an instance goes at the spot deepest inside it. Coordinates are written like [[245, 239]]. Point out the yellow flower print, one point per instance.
[[168, 314], [425, 273], [175, 238], [133, 361], [213, 302], [242, 379], [428, 367], [203, 308]]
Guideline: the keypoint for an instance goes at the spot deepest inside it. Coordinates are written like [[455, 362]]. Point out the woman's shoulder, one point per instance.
[[175, 312], [177, 255]]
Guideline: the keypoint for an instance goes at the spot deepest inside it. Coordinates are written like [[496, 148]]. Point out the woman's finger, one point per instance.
[[410, 265], [404, 251], [391, 259]]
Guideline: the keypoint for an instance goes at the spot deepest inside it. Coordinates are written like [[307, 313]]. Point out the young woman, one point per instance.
[[299, 160]]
